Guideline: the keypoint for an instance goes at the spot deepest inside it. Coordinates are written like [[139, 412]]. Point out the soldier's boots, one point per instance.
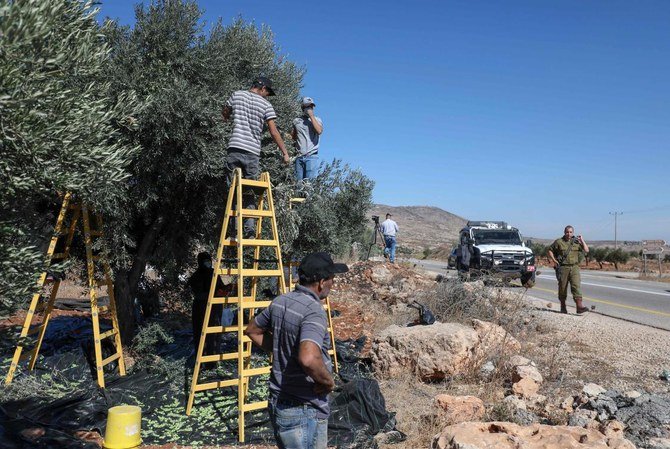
[[564, 307], [580, 307]]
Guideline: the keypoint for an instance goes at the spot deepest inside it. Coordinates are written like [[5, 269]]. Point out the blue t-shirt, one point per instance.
[[307, 140]]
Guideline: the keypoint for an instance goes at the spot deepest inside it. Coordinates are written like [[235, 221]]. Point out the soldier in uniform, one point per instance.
[[565, 254]]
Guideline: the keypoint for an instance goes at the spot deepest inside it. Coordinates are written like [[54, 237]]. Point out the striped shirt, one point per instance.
[[250, 112], [293, 318]]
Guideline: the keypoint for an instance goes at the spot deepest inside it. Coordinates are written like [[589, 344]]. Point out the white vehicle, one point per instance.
[[496, 248]]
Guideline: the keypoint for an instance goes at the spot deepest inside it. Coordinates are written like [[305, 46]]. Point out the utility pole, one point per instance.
[[616, 214]]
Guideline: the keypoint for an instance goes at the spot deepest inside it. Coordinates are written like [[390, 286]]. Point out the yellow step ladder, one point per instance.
[[294, 264], [69, 216], [248, 277]]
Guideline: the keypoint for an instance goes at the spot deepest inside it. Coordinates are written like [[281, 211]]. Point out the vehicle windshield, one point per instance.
[[490, 236]]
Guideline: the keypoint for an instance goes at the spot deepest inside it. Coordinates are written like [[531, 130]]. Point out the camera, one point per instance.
[[375, 218], [575, 239]]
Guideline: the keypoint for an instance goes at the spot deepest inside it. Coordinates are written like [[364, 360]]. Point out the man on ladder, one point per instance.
[[295, 329], [250, 110]]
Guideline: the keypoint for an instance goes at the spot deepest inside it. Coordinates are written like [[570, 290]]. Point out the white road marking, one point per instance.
[[611, 286]]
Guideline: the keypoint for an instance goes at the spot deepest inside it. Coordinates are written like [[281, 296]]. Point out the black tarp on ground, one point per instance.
[[358, 408]]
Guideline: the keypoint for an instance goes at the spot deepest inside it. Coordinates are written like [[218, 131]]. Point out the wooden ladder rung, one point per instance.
[[254, 183], [229, 299], [256, 371], [58, 256], [110, 359], [95, 233], [103, 309], [220, 329], [250, 242], [255, 406], [250, 272], [216, 384], [108, 333], [218, 357], [255, 304], [253, 213]]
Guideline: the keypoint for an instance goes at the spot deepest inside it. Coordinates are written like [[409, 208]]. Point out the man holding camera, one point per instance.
[[306, 132], [565, 254]]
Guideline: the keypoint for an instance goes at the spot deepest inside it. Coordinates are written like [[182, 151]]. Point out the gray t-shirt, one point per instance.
[[250, 112], [307, 138], [293, 318]]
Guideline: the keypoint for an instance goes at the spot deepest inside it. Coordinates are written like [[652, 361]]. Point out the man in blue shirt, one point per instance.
[[295, 329]]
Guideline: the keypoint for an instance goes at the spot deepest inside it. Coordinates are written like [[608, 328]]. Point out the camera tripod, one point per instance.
[[376, 233]]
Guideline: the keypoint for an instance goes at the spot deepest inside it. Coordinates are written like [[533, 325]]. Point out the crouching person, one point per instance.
[[294, 328]]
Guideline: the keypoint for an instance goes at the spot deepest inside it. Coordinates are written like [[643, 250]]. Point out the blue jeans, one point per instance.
[[389, 242], [297, 427], [305, 167]]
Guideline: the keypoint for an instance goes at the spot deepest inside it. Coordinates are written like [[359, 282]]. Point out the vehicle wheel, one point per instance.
[[528, 280]]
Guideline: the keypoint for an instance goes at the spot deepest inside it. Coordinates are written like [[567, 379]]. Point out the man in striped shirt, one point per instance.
[[250, 111]]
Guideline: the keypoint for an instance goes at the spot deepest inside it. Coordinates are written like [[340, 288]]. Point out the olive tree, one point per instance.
[[182, 77], [59, 130]]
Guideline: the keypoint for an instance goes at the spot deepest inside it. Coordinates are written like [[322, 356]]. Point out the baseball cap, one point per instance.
[[319, 266], [263, 81], [308, 101]]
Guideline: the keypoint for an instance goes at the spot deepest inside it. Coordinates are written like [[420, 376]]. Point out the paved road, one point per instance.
[[645, 302], [614, 294]]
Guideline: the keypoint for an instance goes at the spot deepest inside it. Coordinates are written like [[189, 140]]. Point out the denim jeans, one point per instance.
[[297, 427], [389, 249], [306, 166]]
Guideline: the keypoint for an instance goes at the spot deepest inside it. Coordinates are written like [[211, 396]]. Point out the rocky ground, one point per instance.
[[500, 369], [593, 373]]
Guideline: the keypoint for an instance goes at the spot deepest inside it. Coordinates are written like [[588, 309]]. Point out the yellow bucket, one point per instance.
[[123, 427]]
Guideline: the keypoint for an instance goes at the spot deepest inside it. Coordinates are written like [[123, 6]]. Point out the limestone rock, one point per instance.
[[504, 435], [612, 428], [526, 387], [582, 417], [487, 370], [456, 409], [567, 404], [380, 275], [659, 443], [518, 360], [432, 352], [632, 394], [494, 337], [515, 402], [526, 371], [593, 390]]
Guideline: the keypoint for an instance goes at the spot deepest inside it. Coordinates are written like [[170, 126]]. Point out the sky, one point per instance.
[[537, 113]]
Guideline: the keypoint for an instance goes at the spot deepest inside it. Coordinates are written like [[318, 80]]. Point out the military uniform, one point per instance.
[[568, 272]]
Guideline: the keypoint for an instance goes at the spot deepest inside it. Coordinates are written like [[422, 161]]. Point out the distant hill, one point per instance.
[[422, 226], [427, 227]]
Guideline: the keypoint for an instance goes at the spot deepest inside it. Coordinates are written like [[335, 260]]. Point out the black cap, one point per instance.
[[262, 81], [317, 266]]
